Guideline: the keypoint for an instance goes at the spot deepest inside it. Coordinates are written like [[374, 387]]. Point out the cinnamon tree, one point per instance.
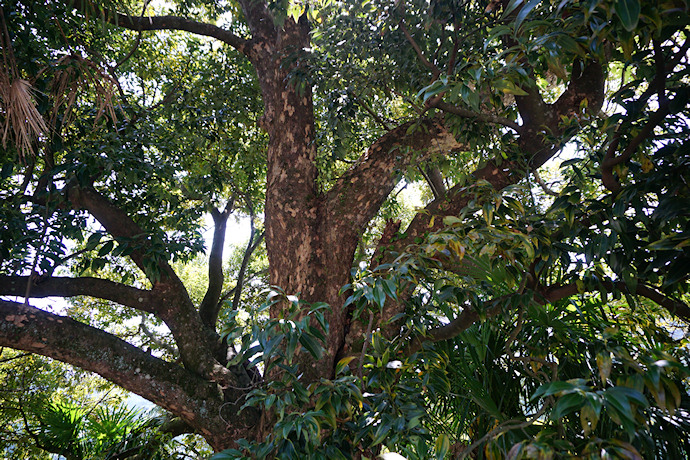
[[136, 120]]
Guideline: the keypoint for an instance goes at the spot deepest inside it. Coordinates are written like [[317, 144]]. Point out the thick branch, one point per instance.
[[260, 20], [141, 23], [359, 193], [195, 342], [62, 338], [434, 177], [70, 287], [467, 318], [119, 225]]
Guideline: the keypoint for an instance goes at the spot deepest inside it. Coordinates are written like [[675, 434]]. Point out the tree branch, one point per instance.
[[537, 116], [208, 308], [120, 225], [673, 306], [539, 119], [251, 247], [542, 184], [142, 23], [359, 193], [434, 70], [434, 178], [70, 287], [611, 159], [553, 294], [484, 117], [195, 342], [175, 389]]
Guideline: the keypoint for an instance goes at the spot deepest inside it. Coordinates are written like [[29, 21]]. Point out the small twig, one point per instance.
[[154, 339], [364, 349], [373, 114], [503, 427], [7, 360], [518, 327], [485, 117], [542, 184], [137, 42], [434, 70]]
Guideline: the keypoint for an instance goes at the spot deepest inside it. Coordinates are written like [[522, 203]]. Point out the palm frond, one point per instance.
[[75, 74], [21, 122]]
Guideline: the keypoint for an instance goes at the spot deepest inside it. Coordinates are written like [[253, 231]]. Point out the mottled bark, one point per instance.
[[196, 400]]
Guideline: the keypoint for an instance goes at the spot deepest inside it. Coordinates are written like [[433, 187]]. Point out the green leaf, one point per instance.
[[106, 248], [93, 241], [508, 87], [604, 362], [522, 14], [559, 387], [629, 13], [340, 367], [379, 295], [311, 345], [511, 7], [390, 288], [567, 404], [441, 447], [589, 419]]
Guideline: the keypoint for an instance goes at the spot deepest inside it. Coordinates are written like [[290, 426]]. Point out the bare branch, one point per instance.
[[542, 184], [484, 117], [12, 358], [70, 287], [551, 295], [142, 23], [675, 307], [207, 309], [434, 70]]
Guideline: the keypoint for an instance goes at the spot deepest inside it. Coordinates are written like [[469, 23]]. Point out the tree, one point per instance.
[[471, 98]]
